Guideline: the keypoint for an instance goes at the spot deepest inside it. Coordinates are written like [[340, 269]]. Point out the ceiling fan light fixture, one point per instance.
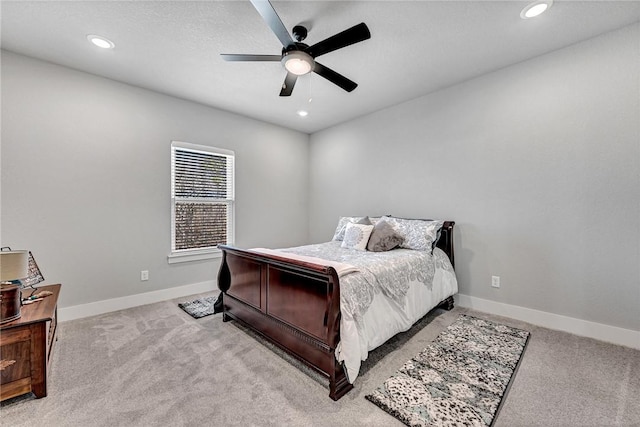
[[299, 58], [298, 62], [536, 8]]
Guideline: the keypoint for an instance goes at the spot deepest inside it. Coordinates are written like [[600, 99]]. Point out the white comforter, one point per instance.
[[381, 293]]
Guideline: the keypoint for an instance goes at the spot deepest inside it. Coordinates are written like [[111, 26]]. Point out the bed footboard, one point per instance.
[[294, 304]]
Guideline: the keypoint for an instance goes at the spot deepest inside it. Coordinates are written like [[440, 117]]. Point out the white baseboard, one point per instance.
[[611, 334], [115, 304]]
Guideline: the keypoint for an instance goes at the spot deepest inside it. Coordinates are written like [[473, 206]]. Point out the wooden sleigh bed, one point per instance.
[[295, 304]]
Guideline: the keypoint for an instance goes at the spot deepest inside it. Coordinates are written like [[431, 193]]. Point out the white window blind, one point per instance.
[[202, 198]]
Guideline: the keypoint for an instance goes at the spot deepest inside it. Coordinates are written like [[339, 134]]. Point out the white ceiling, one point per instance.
[[416, 47]]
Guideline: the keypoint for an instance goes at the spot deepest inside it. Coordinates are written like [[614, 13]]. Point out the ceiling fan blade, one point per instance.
[[334, 77], [289, 83], [241, 57], [355, 34], [268, 13]]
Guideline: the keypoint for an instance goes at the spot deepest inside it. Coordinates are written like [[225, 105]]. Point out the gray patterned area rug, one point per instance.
[[200, 307], [460, 379]]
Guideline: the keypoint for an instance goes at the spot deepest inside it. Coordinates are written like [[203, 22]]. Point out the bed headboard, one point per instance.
[[446, 240]]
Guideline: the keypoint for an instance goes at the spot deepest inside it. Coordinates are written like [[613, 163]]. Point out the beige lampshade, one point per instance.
[[14, 265]]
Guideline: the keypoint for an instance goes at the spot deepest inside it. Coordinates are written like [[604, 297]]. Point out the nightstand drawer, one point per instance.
[[15, 362]]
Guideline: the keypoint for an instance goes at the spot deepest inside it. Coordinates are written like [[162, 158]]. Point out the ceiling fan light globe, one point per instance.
[[298, 63], [297, 66]]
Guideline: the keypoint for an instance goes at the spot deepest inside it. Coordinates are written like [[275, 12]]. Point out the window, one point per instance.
[[202, 199]]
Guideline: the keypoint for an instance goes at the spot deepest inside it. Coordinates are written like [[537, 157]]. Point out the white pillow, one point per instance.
[[356, 236], [342, 226]]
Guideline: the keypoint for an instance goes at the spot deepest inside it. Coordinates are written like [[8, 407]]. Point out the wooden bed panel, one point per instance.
[[305, 307], [310, 351], [246, 275]]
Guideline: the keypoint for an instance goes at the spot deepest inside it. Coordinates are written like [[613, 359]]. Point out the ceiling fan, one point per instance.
[[299, 58]]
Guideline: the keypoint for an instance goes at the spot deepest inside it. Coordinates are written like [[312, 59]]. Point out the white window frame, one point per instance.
[[184, 255]]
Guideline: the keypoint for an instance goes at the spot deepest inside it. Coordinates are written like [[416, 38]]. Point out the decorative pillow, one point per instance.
[[418, 234], [342, 225], [356, 236], [383, 237]]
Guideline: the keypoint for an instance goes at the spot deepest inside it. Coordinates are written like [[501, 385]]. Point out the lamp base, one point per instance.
[[10, 302]]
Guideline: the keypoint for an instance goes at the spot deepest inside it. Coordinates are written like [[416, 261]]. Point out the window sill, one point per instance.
[[193, 256]]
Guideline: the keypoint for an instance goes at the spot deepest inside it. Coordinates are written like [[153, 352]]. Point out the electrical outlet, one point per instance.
[[144, 275], [495, 281]]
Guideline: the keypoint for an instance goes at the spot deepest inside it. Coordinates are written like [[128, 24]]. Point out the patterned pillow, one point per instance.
[[418, 234], [383, 237], [356, 236], [342, 226]]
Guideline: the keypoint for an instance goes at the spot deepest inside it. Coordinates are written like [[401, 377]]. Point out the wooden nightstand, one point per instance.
[[26, 345]]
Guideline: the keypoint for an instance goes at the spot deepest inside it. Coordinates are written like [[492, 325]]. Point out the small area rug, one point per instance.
[[460, 379], [200, 307]]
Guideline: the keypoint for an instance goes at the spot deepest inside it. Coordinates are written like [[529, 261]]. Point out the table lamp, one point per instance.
[[14, 266], [34, 275]]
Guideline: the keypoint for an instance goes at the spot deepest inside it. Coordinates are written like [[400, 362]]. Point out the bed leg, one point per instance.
[[218, 305], [447, 304], [338, 383]]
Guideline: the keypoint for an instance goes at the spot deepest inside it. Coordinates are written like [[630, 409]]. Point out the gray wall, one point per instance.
[[86, 179], [538, 164]]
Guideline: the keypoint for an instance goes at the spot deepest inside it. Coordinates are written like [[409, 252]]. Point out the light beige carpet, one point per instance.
[[157, 366]]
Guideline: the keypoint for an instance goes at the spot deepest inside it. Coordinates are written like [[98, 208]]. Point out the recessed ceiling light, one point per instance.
[[536, 8], [303, 113], [100, 41]]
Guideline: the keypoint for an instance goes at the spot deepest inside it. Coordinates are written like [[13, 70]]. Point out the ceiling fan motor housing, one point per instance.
[[295, 46]]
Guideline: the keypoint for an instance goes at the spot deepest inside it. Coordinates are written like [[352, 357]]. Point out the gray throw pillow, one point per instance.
[[365, 221], [383, 238]]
